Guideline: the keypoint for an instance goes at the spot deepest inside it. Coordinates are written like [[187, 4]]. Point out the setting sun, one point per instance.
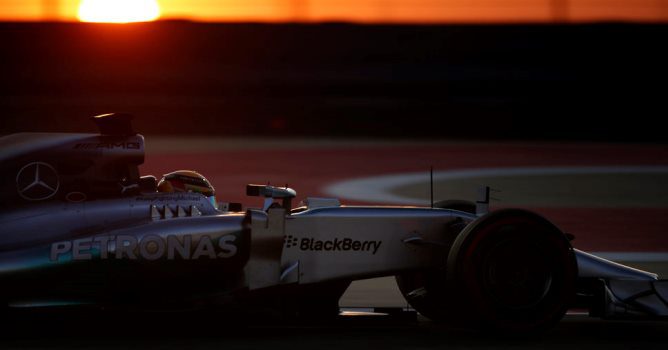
[[118, 11]]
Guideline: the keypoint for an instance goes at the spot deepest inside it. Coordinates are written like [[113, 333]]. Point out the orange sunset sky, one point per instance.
[[374, 11]]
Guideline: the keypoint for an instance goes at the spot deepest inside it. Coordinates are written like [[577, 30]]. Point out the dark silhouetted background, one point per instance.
[[542, 81]]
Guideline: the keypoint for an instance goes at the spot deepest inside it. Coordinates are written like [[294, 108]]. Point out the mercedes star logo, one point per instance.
[[37, 181]]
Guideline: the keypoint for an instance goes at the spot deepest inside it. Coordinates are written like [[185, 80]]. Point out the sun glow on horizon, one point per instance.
[[118, 11]]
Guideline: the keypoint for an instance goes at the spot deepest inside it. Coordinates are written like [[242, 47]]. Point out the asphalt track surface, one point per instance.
[[310, 166]]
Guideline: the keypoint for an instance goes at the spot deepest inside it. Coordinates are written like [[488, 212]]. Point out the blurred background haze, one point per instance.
[[473, 69]]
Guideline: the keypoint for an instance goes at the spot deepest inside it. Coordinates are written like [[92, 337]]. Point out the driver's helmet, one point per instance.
[[187, 181]]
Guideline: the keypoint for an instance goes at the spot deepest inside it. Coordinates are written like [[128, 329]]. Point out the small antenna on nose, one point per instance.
[[431, 185]]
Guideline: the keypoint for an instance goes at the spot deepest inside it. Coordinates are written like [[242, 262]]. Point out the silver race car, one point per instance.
[[82, 228]]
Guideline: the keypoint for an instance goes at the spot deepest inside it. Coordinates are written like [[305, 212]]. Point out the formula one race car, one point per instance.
[[81, 227]]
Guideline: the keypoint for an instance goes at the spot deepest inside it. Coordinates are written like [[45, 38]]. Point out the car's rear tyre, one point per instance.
[[513, 271]]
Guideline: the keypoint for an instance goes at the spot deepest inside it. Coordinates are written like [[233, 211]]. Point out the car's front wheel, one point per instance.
[[510, 271], [513, 271]]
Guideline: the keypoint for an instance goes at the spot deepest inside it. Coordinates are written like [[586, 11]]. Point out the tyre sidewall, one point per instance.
[[467, 268]]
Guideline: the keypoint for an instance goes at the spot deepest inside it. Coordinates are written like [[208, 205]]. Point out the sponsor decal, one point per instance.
[[291, 241], [332, 245], [37, 181], [108, 145], [150, 247]]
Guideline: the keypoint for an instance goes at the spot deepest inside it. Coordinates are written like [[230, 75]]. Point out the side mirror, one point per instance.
[[270, 193]]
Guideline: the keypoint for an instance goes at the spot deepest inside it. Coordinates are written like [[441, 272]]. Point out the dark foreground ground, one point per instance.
[[575, 332]]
